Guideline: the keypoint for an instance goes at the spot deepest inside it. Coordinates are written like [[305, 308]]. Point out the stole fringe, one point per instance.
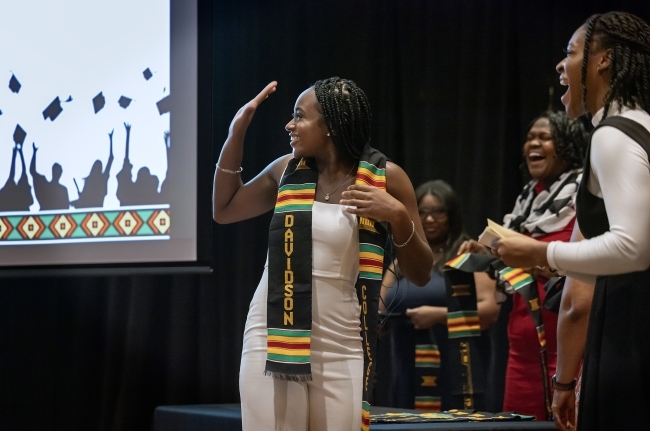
[[289, 377]]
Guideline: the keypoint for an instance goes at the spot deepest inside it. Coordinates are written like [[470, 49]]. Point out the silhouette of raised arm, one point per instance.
[[110, 156], [12, 171], [128, 135], [23, 176], [32, 165]]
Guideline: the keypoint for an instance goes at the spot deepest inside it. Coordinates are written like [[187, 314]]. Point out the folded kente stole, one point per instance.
[[427, 368], [467, 374], [289, 311]]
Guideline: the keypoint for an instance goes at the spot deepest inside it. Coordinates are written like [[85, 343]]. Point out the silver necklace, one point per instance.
[[327, 195]]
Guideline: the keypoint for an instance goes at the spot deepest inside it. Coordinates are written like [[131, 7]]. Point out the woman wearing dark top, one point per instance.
[[413, 311]]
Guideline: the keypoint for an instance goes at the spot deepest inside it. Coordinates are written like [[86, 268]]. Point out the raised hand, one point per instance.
[[243, 117], [34, 147]]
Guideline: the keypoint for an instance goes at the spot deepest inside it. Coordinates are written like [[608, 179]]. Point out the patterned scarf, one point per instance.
[[547, 211], [289, 312]]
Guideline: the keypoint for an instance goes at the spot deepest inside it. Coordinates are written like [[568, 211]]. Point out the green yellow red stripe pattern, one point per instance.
[[458, 261], [427, 403], [371, 175], [463, 323], [516, 277], [288, 346], [427, 355], [371, 261], [295, 197], [365, 416]]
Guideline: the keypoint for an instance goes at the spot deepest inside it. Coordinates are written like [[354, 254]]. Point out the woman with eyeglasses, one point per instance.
[[411, 312], [553, 155]]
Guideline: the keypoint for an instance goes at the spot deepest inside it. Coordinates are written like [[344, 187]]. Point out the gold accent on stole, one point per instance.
[[460, 290], [367, 224], [534, 304], [302, 164], [468, 388], [429, 381]]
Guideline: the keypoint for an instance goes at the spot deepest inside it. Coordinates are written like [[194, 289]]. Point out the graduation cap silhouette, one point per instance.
[[19, 135], [14, 85], [124, 102], [99, 102], [164, 104], [147, 74], [53, 110]]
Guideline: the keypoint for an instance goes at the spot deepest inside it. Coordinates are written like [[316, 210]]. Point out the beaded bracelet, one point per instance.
[[229, 171], [408, 240]]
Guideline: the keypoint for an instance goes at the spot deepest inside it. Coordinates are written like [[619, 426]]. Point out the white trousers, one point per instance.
[[332, 400]]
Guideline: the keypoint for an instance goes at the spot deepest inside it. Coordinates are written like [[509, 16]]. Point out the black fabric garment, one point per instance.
[[615, 391]]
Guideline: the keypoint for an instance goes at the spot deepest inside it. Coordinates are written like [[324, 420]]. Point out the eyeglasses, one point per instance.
[[437, 213]]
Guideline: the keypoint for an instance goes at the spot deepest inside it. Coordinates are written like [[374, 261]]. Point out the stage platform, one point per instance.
[[227, 417]]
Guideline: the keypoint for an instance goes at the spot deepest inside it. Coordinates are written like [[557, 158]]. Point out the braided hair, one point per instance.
[[347, 114], [628, 37], [570, 138]]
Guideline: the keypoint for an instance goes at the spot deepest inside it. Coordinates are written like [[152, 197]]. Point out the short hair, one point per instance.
[[628, 37], [570, 138], [347, 114]]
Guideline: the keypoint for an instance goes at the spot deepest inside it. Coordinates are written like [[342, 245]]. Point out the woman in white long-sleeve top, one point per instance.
[[607, 71]]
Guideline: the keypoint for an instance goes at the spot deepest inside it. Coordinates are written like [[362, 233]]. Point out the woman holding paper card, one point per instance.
[[545, 210], [607, 74]]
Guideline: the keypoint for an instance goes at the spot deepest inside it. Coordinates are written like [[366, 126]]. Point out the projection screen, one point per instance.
[[99, 134]]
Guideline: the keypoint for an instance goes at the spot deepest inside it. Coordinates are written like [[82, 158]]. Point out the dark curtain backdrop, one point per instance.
[[452, 85]]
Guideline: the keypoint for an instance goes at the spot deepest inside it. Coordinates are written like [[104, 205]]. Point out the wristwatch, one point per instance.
[[563, 386]]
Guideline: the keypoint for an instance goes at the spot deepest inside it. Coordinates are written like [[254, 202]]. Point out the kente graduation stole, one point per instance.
[[427, 367], [289, 311], [463, 328], [524, 284], [514, 279]]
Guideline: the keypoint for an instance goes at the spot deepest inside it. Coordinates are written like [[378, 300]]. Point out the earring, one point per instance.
[[328, 134]]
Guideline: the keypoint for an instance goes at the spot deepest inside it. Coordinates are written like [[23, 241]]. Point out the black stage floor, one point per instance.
[[227, 417]]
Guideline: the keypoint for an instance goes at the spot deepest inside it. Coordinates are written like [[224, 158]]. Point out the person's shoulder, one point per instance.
[[277, 167], [610, 142], [397, 181], [394, 172], [393, 169]]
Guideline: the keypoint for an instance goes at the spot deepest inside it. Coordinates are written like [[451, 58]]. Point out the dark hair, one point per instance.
[[628, 37], [347, 114], [449, 199], [570, 138]]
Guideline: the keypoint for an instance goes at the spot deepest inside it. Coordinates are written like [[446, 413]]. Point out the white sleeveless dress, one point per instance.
[[332, 401]]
